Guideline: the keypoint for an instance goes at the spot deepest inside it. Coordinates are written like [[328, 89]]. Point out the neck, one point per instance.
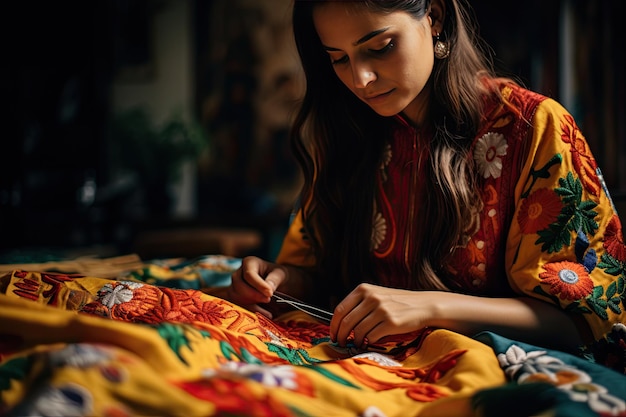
[[416, 113]]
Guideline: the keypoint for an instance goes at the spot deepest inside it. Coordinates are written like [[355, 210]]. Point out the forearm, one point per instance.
[[522, 318]]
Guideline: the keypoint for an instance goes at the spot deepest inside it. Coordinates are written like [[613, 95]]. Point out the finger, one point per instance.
[[340, 313], [349, 322], [253, 274], [242, 293], [274, 278], [366, 332]]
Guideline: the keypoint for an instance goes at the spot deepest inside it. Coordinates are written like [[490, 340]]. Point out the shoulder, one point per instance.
[[521, 100]]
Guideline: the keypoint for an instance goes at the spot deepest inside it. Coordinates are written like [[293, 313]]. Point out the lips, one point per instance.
[[377, 96]]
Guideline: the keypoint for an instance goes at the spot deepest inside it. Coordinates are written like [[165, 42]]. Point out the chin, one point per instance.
[[386, 112]]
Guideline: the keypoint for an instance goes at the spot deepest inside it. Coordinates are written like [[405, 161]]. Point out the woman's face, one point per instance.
[[384, 59]]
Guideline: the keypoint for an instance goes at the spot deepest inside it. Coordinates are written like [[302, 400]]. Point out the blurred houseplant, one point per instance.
[[154, 154]]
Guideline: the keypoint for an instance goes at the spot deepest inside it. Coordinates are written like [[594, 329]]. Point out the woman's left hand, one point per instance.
[[373, 312]]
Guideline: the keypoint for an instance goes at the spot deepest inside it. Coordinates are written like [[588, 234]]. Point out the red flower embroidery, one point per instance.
[[138, 302], [568, 279], [539, 210], [584, 163], [235, 397], [614, 239]]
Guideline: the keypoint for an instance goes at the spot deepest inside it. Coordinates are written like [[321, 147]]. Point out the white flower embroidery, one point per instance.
[[64, 399], [516, 358], [373, 411], [270, 376], [79, 355], [379, 358], [379, 229], [121, 293], [488, 154], [596, 396], [537, 365]]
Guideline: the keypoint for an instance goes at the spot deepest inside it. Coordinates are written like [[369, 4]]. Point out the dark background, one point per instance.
[[61, 59]]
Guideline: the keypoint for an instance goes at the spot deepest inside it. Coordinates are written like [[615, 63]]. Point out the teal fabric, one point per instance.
[[550, 382]]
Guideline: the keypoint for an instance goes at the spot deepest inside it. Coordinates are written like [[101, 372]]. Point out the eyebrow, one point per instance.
[[363, 39]]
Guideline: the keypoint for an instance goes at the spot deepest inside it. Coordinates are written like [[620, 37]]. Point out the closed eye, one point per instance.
[[338, 61], [384, 49]]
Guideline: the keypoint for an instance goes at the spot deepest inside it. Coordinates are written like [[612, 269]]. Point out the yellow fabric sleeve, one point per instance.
[[565, 242], [296, 250]]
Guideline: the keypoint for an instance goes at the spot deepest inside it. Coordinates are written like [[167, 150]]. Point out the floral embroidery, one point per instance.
[[379, 229], [372, 411], [62, 400], [79, 355], [271, 376], [577, 215], [111, 295], [539, 210], [583, 161], [138, 302], [537, 366], [568, 279], [380, 359], [488, 154], [614, 240], [235, 397]]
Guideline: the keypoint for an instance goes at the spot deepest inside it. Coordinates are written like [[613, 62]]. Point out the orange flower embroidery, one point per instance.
[[235, 397], [138, 302], [539, 210], [614, 239], [584, 163], [568, 279]]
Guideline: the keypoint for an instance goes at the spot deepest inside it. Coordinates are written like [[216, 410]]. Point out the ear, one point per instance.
[[436, 16]]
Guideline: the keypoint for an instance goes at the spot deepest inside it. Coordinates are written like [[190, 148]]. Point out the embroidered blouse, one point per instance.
[[548, 228]]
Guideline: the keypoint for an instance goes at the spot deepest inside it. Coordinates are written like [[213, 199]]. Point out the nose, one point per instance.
[[363, 75]]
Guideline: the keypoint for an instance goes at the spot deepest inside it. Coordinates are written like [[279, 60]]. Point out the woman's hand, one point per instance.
[[374, 312], [254, 282]]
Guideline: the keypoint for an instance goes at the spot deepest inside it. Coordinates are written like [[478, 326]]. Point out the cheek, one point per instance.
[[345, 76], [415, 73]]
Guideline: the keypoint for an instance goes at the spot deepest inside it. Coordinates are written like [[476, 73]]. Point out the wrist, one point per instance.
[[442, 310]]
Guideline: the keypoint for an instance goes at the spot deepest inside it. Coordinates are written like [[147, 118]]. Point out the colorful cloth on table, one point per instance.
[[548, 228], [201, 272], [84, 346]]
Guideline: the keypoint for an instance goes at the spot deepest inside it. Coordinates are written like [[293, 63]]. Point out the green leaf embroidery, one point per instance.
[[611, 265], [554, 237], [542, 292], [243, 355], [577, 307], [543, 172], [175, 337], [293, 356], [576, 215], [614, 305], [611, 290], [599, 307], [14, 369]]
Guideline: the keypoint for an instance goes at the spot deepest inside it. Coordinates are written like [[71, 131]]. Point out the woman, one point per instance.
[[435, 193]]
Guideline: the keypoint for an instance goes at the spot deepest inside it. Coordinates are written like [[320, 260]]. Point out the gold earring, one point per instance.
[[442, 49]]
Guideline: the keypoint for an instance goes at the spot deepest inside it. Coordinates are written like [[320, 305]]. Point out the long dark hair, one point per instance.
[[338, 141]]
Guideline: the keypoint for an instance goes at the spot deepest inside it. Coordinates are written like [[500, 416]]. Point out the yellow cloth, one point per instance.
[[105, 347]]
